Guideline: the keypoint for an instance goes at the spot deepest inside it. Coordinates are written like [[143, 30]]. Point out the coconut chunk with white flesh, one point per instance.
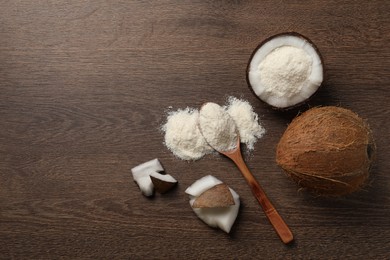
[[141, 175], [221, 217], [146, 185], [285, 70]]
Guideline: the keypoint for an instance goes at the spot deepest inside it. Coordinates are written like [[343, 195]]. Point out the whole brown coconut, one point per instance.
[[328, 150]]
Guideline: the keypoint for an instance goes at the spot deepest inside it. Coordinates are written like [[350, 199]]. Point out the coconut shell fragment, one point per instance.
[[162, 182], [218, 196], [328, 150]]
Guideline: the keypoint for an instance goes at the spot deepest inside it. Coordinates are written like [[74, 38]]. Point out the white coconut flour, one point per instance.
[[247, 121], [182, 135], [218, 127], [184, 139], [284, 70]]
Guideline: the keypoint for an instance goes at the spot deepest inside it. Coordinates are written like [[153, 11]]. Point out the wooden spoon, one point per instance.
[[276, 220], [273, 216]]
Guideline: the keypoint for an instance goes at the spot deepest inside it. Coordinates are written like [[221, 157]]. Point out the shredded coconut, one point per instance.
[[284, 70], [218, 127], [184, 139]]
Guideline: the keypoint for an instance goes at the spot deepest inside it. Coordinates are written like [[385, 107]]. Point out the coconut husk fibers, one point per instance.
[[328, 150]]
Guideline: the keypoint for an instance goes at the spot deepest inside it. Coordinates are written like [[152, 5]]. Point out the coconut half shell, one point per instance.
[[328, 150], [284, 94]]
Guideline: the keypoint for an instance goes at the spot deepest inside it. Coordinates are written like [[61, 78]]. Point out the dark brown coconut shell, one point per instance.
[[218, 196], [328, 150], [162, 186], [275, 36]]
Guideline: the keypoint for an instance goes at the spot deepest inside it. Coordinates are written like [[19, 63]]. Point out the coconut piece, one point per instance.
[[328, 150], [162, 182], [141, 175], [221, 217], [149, 166], [285, 70], [218, 196], [145, 185]]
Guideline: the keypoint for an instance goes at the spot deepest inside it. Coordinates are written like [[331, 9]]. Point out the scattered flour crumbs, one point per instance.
[[184, 139]]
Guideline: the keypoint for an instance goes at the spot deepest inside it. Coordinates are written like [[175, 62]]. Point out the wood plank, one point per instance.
[[86, 85]]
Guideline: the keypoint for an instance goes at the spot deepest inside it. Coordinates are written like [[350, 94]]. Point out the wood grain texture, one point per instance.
[[85, 85]]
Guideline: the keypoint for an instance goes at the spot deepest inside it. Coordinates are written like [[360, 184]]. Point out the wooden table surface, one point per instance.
[[85, 86]]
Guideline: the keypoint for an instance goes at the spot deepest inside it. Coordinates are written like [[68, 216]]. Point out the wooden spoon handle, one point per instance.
[[276, 220]]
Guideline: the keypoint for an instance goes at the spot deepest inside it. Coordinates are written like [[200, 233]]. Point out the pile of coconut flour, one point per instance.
[[218, 127], [184, 139], [284, 71]]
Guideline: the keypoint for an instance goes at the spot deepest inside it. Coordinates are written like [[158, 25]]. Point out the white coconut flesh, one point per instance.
[[201, 185], [285, 71]]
